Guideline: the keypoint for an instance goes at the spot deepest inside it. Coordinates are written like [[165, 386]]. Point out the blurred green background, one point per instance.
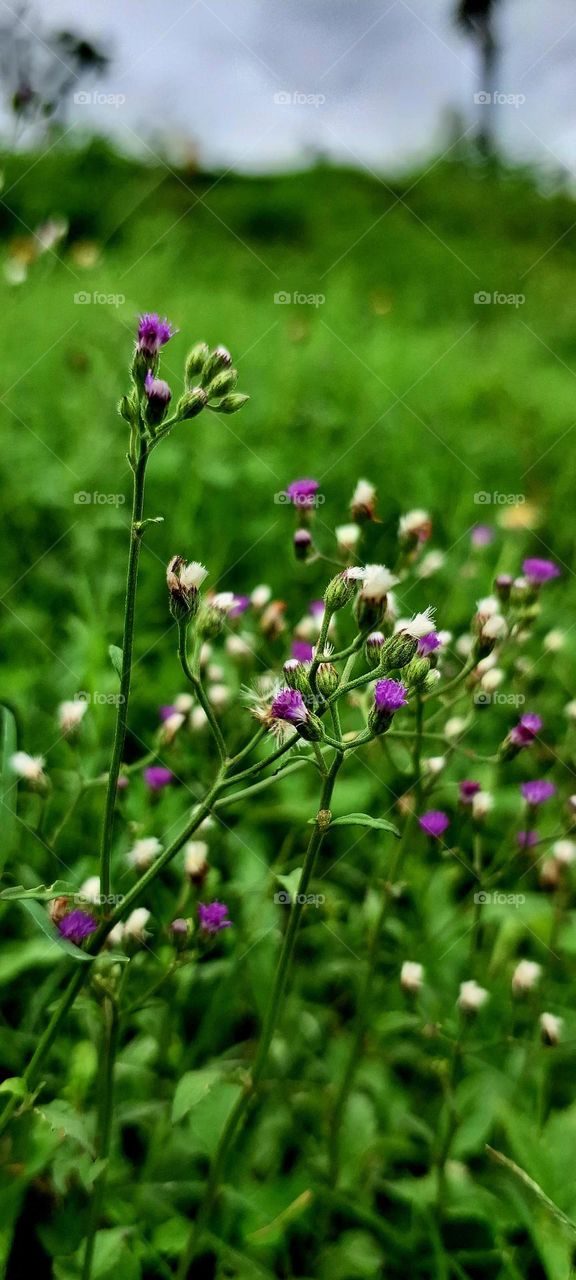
[[398, 375]]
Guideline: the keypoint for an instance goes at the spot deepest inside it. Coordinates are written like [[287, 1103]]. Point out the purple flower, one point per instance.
[[153, 333], [317, 608], [538, 791], [538, 571], [427, 644], [523, 733], [468, 789], [302, 650], [302, 492], [240, 605], [76, 926], [434, 823], [213, 917], [527, 838], [289, 705], [156, 777], [389, 696], [482, 535], [302, 543], [166, 712], [159, 395]]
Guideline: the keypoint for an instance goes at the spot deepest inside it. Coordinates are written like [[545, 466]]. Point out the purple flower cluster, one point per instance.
[[468, 789], [538, 791], [153, 333], [434, 823], [289, 705], [76, 926], [157, 776], [523, 734], [427, 644], [539, 571], [302, 492], [213, 917], [389, 696]]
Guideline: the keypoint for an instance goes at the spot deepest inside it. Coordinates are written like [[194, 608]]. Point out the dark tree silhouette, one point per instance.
[[476, 17], [39, 71]]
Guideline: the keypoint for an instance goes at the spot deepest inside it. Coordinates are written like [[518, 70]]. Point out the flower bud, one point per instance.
[[195, 361], [222, 383], [196, 861], [411, 977], [180, 933], [217, 360], [472, 997], [231, 403], [342, 588], [191, 403], [363, 502], [184, 581], [158, 397], [389, 696], [126, 409], [398, 651], [526, 976], [210, 620], [327, 679], [551, 1028], [302, 544], [296, 676], [416, 673], [373, 648]]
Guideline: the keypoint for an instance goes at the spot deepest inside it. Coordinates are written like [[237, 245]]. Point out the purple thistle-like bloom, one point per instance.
[[157, 776], [538, 791], [213, 917], [153, 333], [302, 492], [158, 394], [538, 571], [468, 789], [240, 605], [527, 838], [76, 926], [434, 823], [427, 644], [302, 650], [482, 535], [166, 712], [523, 733], [289, 705], [389, 696]]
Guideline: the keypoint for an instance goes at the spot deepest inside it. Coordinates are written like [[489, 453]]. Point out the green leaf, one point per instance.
[[362, 820], [44, 923], [15, 1085], [534, 1190], [190, 1090], [8, 787], [116, 658], [42, 892], [291, 881]]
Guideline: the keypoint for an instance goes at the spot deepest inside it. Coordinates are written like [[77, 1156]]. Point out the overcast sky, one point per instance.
[[374, 82]]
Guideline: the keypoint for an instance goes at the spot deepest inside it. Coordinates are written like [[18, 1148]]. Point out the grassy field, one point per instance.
[[393, 372]]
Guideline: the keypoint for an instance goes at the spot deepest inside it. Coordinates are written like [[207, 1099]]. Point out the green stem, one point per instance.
[[240, 1110], [319, 649], [362, 1010], [196, 682], [125, 678], [104, 1130]]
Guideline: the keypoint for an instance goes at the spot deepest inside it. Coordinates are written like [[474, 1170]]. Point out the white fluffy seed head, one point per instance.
[[564, 851], [195, 857], [526, 976], [420, 625], [411, 976], [496, 628], [184, 703], [192, 575], [348, 536], [219, 695], [377, 582], [143, 852], [261, 595], [415, 524], [171, 726], [472, 996], [90, 890], [482, 803], [71, 713], [364, 496], [198, 719], [29, 767], [551, 1028], [454, 727], [135, 925], [492, 679], [435, 764]]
